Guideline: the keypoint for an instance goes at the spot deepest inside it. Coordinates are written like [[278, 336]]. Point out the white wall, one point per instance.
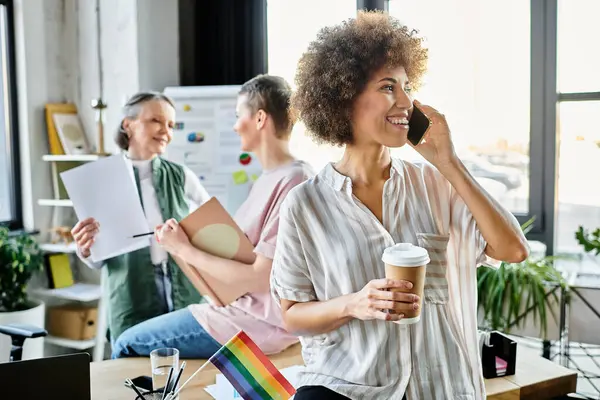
[[40, 79], [158, 44], [120, 66], [86, 58], [57, 61], [139, 48]]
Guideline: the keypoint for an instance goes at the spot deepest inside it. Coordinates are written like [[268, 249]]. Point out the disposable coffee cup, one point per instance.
[[407, 262]]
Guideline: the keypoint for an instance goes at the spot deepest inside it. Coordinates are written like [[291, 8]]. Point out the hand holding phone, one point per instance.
[[429, 123], [418, 125]]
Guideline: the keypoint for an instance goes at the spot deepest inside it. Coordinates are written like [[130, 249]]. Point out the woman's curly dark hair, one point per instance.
[[339, 63]]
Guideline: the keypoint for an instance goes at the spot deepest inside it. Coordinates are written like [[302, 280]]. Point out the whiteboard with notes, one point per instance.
[[204, 141]]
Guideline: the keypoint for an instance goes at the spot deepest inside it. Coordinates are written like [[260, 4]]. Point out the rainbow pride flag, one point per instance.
[[250, 372]]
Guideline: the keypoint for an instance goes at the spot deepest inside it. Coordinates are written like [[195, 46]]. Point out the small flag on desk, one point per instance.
[[250, 372]]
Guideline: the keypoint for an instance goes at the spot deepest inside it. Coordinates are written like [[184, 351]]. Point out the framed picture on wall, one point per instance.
[[65, 131], [70, 132]]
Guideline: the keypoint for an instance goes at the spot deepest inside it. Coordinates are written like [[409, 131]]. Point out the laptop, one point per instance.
[[64, 377]]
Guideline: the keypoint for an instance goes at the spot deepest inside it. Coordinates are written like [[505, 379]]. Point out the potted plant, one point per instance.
[[589, 240], [584, 323], [20, 258], [517, 293]]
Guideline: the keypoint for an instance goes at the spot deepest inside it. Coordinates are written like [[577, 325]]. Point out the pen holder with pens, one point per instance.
[[152, 395], [144, 393], [157, 394], [498, 354]]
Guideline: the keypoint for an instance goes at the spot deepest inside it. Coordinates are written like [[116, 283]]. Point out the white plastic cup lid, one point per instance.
[[405, 255]]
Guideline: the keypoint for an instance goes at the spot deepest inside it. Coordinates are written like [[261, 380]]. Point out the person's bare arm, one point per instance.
[[293, 287], [372, 302], [255, 276], [500, 229]]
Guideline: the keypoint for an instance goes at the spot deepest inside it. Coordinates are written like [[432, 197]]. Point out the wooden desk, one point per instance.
[[535, 378], [539, 378], [108, 376]]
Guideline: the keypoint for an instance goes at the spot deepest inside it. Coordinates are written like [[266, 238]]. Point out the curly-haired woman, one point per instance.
[[354, 88]]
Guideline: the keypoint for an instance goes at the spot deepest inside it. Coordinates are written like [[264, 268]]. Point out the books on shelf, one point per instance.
[[58, 268]]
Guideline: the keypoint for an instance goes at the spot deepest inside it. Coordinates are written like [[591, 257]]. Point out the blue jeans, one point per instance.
[[178, 329]]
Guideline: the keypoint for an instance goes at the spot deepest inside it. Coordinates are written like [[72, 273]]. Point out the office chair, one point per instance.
[[18, 333]]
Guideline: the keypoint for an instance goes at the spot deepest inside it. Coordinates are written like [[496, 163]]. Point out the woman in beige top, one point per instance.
[[354, 88]]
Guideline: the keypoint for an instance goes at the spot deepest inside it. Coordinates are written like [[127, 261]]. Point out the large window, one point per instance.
[[578, 83], [292, 25], [484, 89], [478, 76], [10, 205], [518, 81]]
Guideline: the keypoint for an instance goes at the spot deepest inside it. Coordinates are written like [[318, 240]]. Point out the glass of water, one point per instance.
[[162, 361]]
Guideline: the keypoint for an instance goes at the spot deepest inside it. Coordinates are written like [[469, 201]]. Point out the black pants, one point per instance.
[[318, 393]]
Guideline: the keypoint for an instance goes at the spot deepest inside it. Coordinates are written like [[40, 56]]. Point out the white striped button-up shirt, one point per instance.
[[330, 244]]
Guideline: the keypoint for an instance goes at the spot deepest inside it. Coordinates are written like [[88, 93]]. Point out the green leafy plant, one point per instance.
[[589, 240], [506, 293], [20, 258]]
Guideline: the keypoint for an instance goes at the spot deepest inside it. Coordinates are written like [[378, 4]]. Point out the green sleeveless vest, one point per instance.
[[132, 292]]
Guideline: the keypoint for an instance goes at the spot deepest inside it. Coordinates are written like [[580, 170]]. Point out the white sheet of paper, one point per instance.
[[105, 190], [224, 390]]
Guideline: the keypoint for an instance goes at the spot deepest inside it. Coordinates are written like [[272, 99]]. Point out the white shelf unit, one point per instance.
[[72, 344], [55, 202], [75, 157], [58, 247], [80, 292]]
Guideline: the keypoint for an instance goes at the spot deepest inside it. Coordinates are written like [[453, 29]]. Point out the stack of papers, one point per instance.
[[106, 190], [500, 366], [223, 390]]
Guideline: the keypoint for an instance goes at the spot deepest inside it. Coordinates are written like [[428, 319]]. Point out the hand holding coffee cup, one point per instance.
[[377, 300], [407, 262]]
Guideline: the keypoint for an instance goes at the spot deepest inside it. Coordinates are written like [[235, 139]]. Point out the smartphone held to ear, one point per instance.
[[417, 126]]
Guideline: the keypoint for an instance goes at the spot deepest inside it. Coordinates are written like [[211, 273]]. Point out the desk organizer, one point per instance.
[[153, 395], [498, 355]]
